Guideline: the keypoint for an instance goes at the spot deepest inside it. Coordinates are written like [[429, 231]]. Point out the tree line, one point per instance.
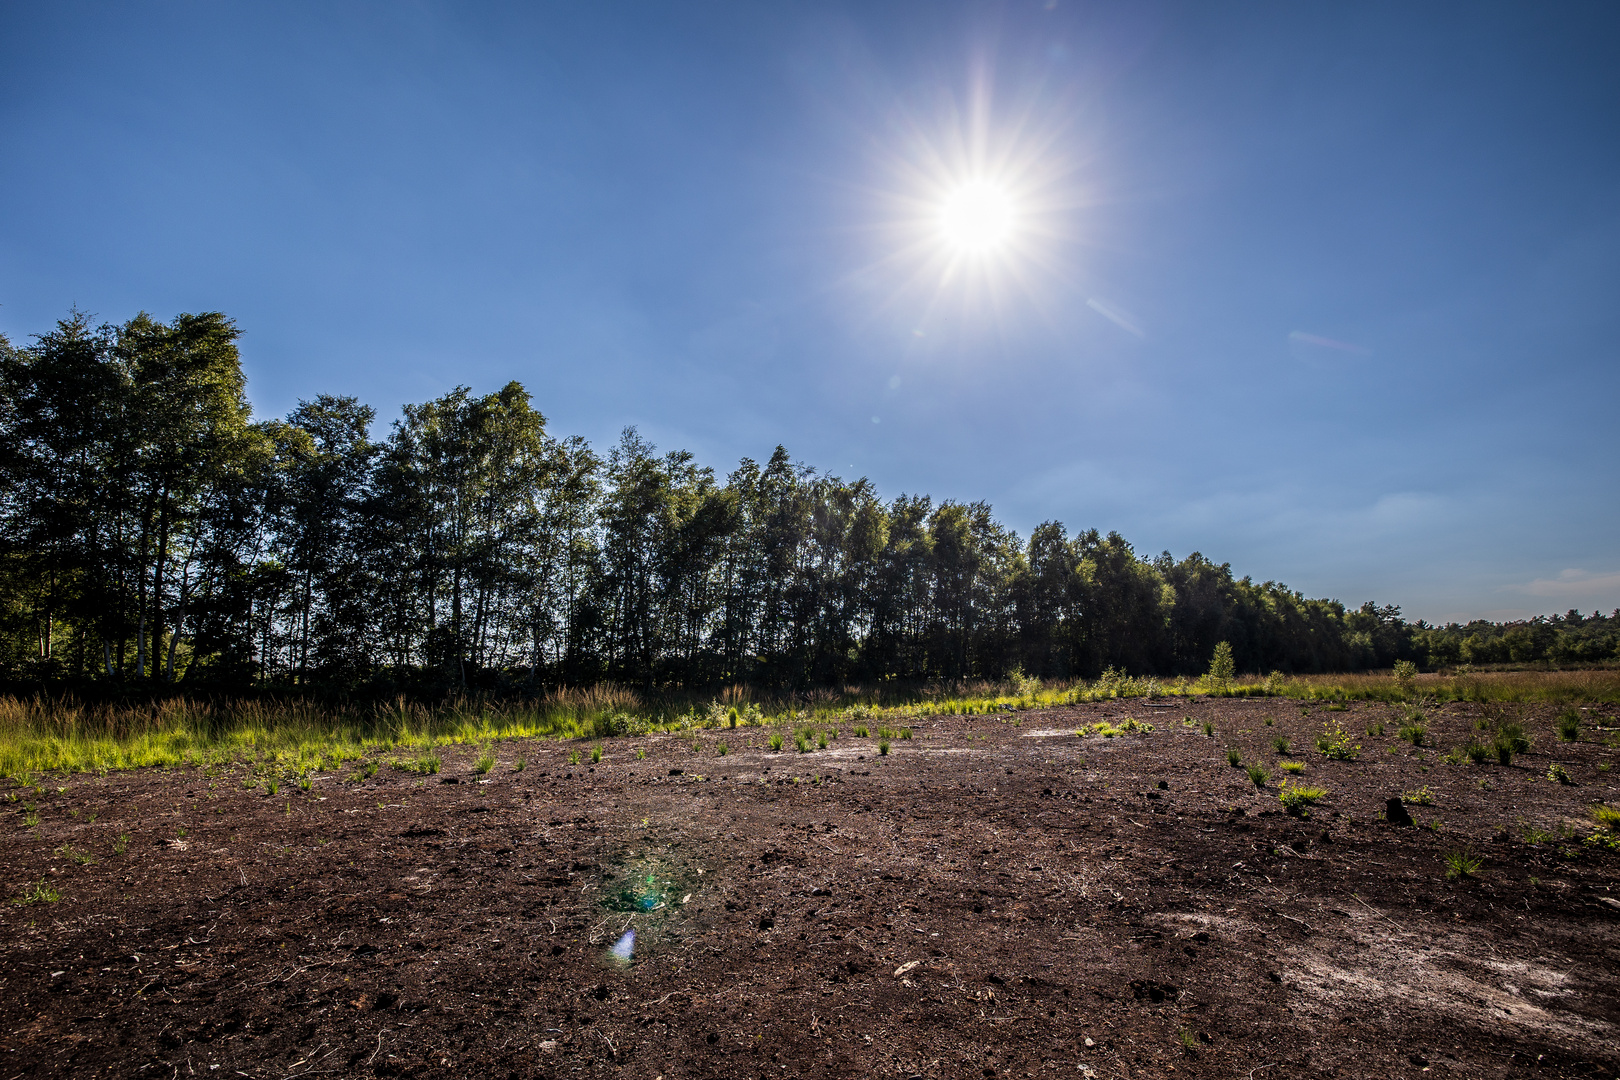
[[155, 531]]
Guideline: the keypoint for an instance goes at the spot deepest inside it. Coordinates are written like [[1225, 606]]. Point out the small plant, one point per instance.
[[821, 740], [1510, 739], [1258, 775], [68, 851], [1462, 863], [723, 749], [1234, 758], [1335, 744], [1421, 797], [1222, 669], [1607, 817], [776, 742], [1293, 768], [1559, 774], [41, 892], [1189, 1041], [1413, 732], [596, 755], [1569, 725], [861, 731], [271, 786], [1269, 721], [519, 764], [573, 757], [30, 820], [883, 747], [801, 743], [1209, 729], [121, 845], [1405, 675], [1298, 799], [905, 732], [1280, 745]]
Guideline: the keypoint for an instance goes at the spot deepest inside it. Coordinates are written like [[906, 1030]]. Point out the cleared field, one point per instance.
[[994, 896]]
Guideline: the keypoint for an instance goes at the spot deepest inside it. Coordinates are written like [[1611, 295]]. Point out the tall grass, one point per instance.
[[67, 735]]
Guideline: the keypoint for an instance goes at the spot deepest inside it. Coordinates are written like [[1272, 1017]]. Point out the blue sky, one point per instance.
[[1328, 292]]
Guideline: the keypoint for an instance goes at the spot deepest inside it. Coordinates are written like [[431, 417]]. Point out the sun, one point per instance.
[[978, 218]]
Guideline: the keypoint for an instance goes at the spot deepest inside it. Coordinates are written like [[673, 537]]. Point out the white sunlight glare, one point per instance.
[[978, 218]]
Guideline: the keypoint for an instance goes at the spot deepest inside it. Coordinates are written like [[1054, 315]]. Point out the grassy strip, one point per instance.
[[296, 737]]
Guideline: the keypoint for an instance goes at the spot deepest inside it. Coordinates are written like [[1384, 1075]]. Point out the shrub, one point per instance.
[[1280, 745], [1421, 797], [1510, 739], [485, 762], [1376, 728], [1222, 670], [723, 749], [883, 747], [861, 731], [1405, 675], [1569, 725], [1209, 729], [1297, 798], [1607, 817], [1462, 863], [802, 743], [596, 755], [1233, 758], [1335, 744], [1413, 732], [1477, 753], [1558, 773], [776, 741], [1258, 775]]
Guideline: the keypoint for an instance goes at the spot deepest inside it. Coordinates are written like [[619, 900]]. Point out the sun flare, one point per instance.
[[978, 218]]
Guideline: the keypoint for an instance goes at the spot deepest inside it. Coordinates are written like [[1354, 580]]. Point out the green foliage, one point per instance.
[[776, 741], [41, 892], [1298, 798], [1421, 797], [1558, 774], [1291, 767], [1462, 863], [1258, 775], [1607, 817], [883, 747], [1280, 744], [1335, 744], [1233, 757], [1405, 675], [1222, 668], [1413, 732], [1569, 725], [1510, 739], [596, 755]]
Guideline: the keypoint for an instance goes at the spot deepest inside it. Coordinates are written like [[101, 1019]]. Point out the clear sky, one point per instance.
[[1330, 292]]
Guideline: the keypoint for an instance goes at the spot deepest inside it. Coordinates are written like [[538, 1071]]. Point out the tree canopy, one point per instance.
[[152, 530]]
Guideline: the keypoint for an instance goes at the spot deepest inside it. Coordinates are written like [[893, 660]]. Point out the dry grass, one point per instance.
[[67, 735]]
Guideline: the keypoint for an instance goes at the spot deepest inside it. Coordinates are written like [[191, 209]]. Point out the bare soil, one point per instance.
[[991, 899]]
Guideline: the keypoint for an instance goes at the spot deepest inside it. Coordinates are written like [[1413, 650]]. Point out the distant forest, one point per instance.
[[152, 531]]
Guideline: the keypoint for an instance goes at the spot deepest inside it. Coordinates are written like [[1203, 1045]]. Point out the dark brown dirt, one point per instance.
[[990, 899]]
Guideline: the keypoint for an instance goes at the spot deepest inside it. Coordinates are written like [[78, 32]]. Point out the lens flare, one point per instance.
[[625, 947]]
